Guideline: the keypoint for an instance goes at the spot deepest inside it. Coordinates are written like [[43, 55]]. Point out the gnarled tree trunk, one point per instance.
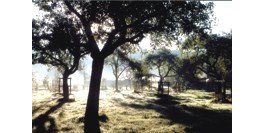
[[91, 122]]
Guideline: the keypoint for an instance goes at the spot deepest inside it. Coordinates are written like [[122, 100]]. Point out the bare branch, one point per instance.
[[122, 71]]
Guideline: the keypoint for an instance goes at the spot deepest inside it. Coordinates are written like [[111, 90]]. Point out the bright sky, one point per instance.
[[222, 12]]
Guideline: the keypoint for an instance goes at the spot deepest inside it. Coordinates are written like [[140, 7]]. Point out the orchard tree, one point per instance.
[[218, 61], [211, 55], [118, 66], [187, 73], [112, 24], [192, 49], [138, 70], [163, 61], [141, 74], [60, 45]]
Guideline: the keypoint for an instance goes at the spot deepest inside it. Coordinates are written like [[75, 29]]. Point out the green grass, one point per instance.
[[191, 111]]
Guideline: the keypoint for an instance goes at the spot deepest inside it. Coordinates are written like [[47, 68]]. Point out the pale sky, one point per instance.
[[223, 23], [223, 14]]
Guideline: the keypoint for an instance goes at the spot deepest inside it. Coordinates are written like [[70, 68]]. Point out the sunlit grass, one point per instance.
[[126, 111], [202, 99]]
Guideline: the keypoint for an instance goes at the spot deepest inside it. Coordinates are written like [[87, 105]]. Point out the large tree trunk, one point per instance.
[[65, 86], [91, 122]]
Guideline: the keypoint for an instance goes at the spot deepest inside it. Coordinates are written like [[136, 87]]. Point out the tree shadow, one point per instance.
[[197, 119], [41, 104], [44, 122], [165, 99], [102, 118]]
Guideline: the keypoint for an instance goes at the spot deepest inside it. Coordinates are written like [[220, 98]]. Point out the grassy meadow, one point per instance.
[[191, 111]]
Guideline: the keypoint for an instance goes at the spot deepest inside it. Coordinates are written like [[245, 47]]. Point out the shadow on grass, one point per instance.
[[102, 118], [45, 123], [197, 119], [42, 104]]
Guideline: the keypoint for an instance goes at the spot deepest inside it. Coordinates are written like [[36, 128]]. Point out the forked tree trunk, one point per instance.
[[91, 122], [65, 87]]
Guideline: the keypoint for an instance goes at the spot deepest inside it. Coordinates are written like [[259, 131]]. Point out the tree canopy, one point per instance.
[[163, 60], [60, 45], [116, 23], [210, 56]]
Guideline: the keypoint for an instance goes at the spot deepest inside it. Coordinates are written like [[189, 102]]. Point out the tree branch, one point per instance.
[[87, 28], [122, 72], [208, 73], [169, 69], [55, 61]]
